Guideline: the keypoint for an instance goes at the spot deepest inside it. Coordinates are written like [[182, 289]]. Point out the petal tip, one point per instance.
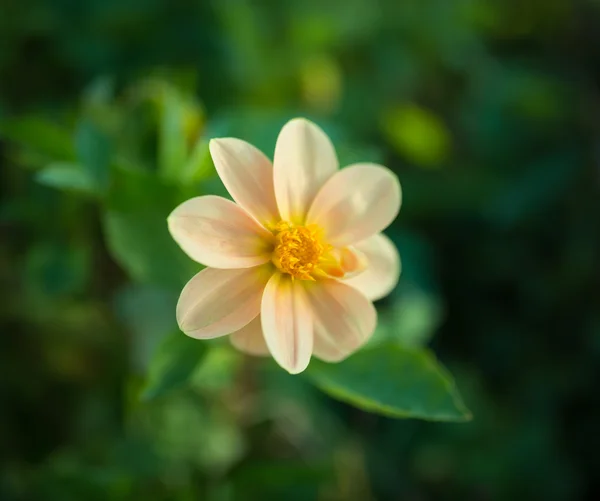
[[300, 120], [296, 370], [305, 122], [214, 145]]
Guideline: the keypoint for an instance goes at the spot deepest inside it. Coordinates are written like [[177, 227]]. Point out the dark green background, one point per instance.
[[489, 112]]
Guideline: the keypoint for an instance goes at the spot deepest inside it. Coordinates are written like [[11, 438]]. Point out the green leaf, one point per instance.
[[173, 364], [40, 135], [199, 165], [413, 319], [349, 152], [135, 225], [394, 381], [93, 152], [58, 268], [137, 190], [416, 317], [171, 143], [148, 312], [417, 134], [218, 369], [66, 176], [141, 244]]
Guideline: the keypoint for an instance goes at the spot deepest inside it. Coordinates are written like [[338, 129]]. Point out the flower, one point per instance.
[[294, 264]]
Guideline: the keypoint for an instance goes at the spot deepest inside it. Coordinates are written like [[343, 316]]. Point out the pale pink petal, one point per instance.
[[248, 176], [357, 202], [218, 233], [250, 339], [383, 267], [344, 319], [304, 160], [218, 302], [287, 323]]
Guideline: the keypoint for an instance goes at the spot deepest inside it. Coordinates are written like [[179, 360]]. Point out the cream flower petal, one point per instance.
[[218, 233], [287, 323], [250, 339], [383, 267], [218, 302], [355, 203], [248, 176], [353, 261], [304, 160], [344, 319]]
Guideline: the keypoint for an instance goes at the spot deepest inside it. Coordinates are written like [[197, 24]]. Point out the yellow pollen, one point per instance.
[[298, 249]]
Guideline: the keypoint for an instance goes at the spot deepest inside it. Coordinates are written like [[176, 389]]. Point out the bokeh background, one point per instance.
[[489, 112]]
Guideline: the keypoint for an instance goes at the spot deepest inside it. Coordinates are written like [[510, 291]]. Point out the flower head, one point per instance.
[[294, 264]]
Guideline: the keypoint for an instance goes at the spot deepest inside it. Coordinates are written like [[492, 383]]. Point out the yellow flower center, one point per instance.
[[298, 249]]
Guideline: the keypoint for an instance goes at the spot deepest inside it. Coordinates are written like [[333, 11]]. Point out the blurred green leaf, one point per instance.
[[173, 364], [149, 314], [416, 317], [394, 381], [66, 176], [172, 148], [417, 134], [99, 92], [199, 165], [93, 152], [413, 320], [141, 244], [222, 442], [349, 152], [57, 268], [321, 78], [218, 369], [41, 135], [136, 190]]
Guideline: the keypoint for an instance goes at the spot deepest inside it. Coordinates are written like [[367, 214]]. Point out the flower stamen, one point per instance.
[[298, 249]]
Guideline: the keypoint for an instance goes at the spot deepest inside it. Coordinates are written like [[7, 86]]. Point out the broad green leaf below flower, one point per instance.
[[394, 381]]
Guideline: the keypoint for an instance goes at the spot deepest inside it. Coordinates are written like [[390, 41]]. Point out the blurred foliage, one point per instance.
[[486, 109]]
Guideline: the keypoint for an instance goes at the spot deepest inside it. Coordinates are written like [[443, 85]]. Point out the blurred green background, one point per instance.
[[489, 112]]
